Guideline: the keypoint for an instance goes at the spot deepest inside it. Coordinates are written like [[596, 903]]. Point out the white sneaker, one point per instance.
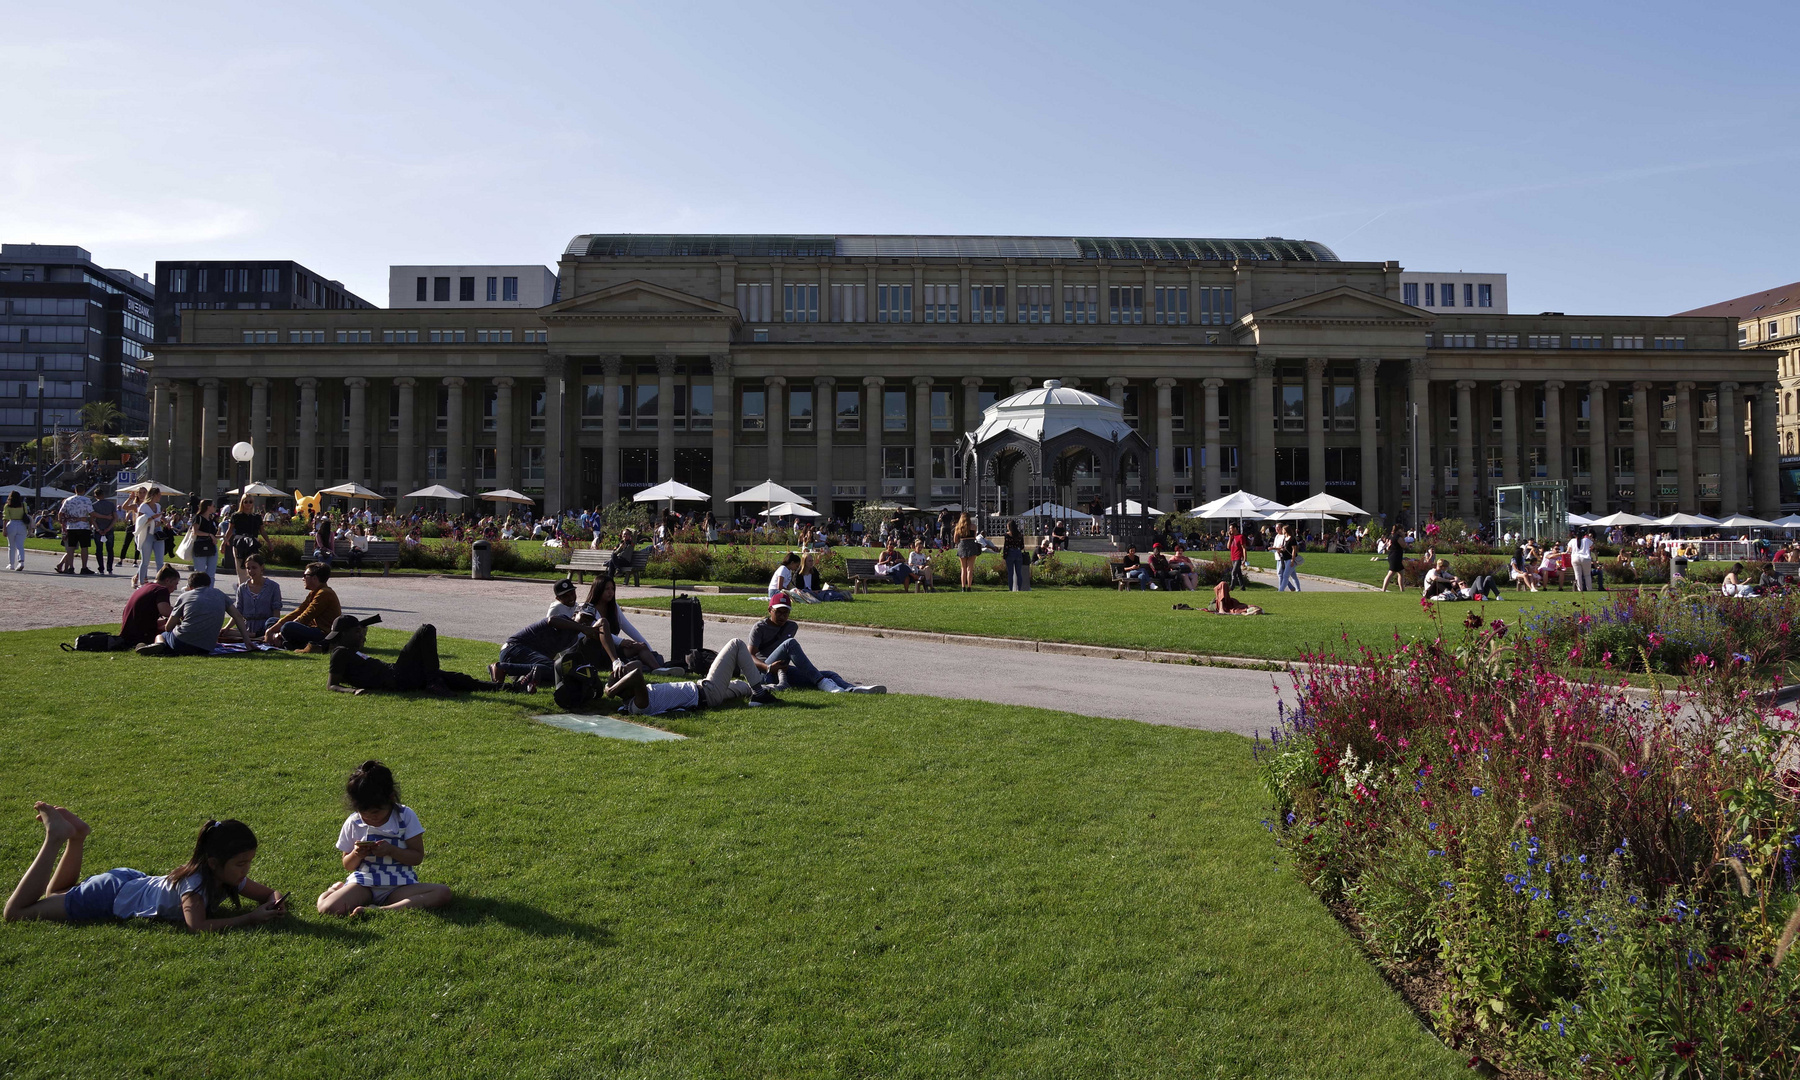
[[877, 688], [831, 687]]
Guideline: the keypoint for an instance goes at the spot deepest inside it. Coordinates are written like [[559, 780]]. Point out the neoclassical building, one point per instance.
[[847, 367]]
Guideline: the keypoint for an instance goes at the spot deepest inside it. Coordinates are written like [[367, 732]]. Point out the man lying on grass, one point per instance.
[[641, 697], [416, 668]]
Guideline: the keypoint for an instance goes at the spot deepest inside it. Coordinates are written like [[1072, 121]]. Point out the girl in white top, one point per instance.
[[783, 578], [149, 520], [381, 842]]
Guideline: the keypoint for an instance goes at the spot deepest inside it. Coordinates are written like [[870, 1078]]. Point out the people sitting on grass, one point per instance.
[[892, 567], [777, 652], [919, 561], [628, 642], [1226, 604], [734, 675], [196, 616], [528, 656], [1736, 582], [306, 625], [783, 578], [1523, 567], [416, 669], [258, 598], [188, 895], [147, 610], [381, 842], [810, 586], [1440, 582]]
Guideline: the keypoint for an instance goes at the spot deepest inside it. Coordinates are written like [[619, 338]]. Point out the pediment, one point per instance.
[[631, 300], [1343, 304]]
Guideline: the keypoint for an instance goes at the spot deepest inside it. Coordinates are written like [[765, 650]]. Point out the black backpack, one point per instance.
[[95, 641], [578, 681]]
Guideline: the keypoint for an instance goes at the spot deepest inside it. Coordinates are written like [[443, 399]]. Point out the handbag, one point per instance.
[[185, 550]]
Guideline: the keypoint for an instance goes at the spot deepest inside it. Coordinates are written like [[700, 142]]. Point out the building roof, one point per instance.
[[1043, 413], [1754, 305], [748, 245]]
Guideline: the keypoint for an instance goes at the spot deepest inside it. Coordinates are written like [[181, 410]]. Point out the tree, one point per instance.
[[98, 418]]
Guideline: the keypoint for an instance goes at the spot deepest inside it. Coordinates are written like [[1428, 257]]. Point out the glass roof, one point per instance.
[[756, 245]]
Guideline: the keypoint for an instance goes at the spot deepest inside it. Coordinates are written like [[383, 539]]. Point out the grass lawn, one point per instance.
[[1141, 620], [845, 886], [1330, 564]]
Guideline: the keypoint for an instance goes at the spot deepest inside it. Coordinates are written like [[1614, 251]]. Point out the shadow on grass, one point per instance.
[[478, 910]]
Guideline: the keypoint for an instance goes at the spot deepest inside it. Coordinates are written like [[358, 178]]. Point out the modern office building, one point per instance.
[[848, 367], [1481, 293], [240, 285], [443, 288], [84, 327]]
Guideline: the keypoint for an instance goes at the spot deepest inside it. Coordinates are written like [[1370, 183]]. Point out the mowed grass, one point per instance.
[[1146, 620], [840, 887]]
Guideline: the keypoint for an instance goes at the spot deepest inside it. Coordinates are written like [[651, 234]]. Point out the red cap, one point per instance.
[[779, 600]]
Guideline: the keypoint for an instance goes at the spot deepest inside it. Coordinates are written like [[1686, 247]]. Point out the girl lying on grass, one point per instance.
[[381, 842], [187, 895]]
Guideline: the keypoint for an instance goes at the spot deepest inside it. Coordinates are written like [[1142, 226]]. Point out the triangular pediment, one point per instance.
[[1343, 303], [640, 300]]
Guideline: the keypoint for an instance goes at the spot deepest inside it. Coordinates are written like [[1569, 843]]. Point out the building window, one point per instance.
[[1496, 463], [1215, 306], [1448, 293], [849, 410], [1081, 303], [437, 463], [1034, 303], [493, 289], [490, 408], [893, 410], [1459, 341], [1628, 341], [1468, 294], [647, 398], [1485, 295], [271, 281], [443, 407], [1430, 294], [1171, 305], [449, 336], [946, 463], [509, 289], [849, 303], [1769, 331], [355, 337], [1125, 304], [799, 303], [1666, 415], [1677, 342], [751, 411], [440, 290], [1624, 463], [943, 417], [1537, 409], [487, 464], [1583, 406], [539, 336], [754, 300], [495, 337], [400, 337], [261, 337], [1290, 401], [987, 303], [940, 304], [306, 337], [393, 408], [699, 405], [1627, 412], [593, 406], [1224, 409], [424, 289], [1340, 393], [465, 290], [800, 410], [1709, 411], [178, 280], [1584, 341], [894, 303], [1409, 293], [1503, 341], [531, 465], [1177, 409], [897, 462], [1543, 341]]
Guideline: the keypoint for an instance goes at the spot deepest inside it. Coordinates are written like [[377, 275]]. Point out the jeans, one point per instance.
[[103, 549], [1018, 573], [15, 544], [800, 672], [519, 660], [208, 565], [1286, 577], [148, 550], [295, 634]]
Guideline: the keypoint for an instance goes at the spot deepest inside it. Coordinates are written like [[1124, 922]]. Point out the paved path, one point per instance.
[[1214, 698]]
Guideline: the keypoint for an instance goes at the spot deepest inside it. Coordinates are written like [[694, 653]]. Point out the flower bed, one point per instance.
[[1673, 633], [1595, 886]]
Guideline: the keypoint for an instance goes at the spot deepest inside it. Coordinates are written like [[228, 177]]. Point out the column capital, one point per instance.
[[1368, 368], [1684, 387], [1117, 380], [922, 381], [160, 384], [306, 382], [1212, 384], [1465, 385], [1165, 383], [356, 382], [972, 380], [721, 363], [1771, 388], [1419, 367], [255, 382], [1728, 386], [406, 381], [556, 366], [665, 365], [1598, 384], [503, 380], [874, 380], [1510, 384], [1642, 385], [609, 366], [1020, 383], [1265, 367], [208, 383], [454, 382], [775, 381], [1554, 384], [1315, 366], [825, 382]]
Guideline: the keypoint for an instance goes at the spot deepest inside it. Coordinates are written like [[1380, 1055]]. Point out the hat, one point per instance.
[[779, 600], [1155, 547], [345, 630], [563, 586]]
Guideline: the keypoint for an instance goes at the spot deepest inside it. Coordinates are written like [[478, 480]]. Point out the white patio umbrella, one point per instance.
[[256, 487], [436, 491], [352, 490], [1296, 514], [1620, 518], [1580, 519], [671, 491], [1236, 504], [163, 489], [1745, 521], [507, 495], [1792, 521], [770, 493], [1330, 504], [1692, 521], [1054, 510], [788, 509], [51, 492], [1132, 508]]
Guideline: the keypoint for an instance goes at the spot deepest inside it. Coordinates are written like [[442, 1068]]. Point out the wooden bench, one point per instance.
[[861, 573], [1116, 563], [584, 561], [385, 552]]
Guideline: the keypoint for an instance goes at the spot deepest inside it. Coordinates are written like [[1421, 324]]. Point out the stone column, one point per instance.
[[1367, 438], [1468, 477], [724, 425], [1316, 421], [1599, 476], [1765, 452], [157, 445], [1730, 468], [1417, 431], [1687, 467], [1259, 432], [873, 387], [503, 432], [922, 441], [775, 409], [455, 441], [182, 437], [1115, 389], [405, 444], [971, 410], [1165, 444], [1553, 430], [665, 418], [209, 439], [259, 428], [609, 428], [824, 427], [1010, 310], [556, 434], [358, 389], [1509, 432], [1210, 432], [308, 477], [1643, 463]]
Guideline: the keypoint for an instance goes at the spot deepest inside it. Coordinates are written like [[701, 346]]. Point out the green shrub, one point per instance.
[[280, 551]]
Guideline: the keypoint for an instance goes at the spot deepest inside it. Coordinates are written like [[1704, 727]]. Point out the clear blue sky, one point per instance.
[[1610, 158]]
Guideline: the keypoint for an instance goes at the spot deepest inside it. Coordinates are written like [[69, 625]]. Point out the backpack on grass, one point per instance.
[[95, 641]]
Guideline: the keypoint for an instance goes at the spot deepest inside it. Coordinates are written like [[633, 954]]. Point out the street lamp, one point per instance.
[[242, 453]]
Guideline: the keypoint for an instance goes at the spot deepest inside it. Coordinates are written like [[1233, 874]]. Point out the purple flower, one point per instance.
[[1477, 792]]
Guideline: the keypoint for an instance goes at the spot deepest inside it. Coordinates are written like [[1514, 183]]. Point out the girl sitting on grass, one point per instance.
[[381, 841], [187, 895]]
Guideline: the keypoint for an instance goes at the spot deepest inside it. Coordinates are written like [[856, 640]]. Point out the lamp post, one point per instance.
[[38, 471], [242, 453]]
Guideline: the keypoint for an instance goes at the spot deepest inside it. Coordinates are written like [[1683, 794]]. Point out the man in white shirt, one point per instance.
[[1581, 561], [644, 698], [565, 601], [76, 517]]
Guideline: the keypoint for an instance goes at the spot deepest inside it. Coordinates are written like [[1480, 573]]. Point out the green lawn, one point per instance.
[[1330, 564], [841, 887], [1143, 620]]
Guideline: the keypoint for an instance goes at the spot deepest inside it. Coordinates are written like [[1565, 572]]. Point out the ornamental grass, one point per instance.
[[1595, 884]]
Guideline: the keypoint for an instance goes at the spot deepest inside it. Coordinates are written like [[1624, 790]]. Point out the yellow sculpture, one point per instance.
[[305, 504]]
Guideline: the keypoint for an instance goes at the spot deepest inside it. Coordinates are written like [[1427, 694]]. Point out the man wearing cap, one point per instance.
[[564, 605], [776, 650]]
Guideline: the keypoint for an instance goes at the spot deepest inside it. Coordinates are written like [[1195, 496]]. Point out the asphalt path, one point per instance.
[[1212, 698]]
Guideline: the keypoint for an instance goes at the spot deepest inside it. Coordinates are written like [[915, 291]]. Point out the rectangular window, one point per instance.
[[487, 465], [1628, 341], [340, 458], [754, 300], [509, 289], [894, 303], [1171, 305], [751, 411], [1537, 463], [1503, 341], [443, 407], [291, 458], [271, 281], [1129, 404], [1448, 293], [437, 463], [1177, 409], [1743, 334], [987, 303], [647, 399], [893, 410], [465, 289], [1485, 295], [1430, 295], [490, 409], [1584, 341], [1627, 411], [1034, 304], [1666, 415], [1624, 463], [940, 304], [1342, 394], [400, 337], [449, 337], [1291, 403], [1468, 294], [1769, 331], [355, 337], [1496, 463], [700, 406], [1215, 306], [1583, 405], [531, 465], [1459, 341], [178, 280], [1081, 303], [261, 337], [424, 289], [1125, 304], [849, 410], [495, 337], [1543, 341], [1537, 409], [1671, 342], [897, 462], [800, 410], [1409, 293], [946, 463], [393, 408], [493, 289], [943, 418], [440, 290], [1709, 411], [849, 303], [1224, 409], [799, 303], [306, 337], [593, 406], [539, 336]]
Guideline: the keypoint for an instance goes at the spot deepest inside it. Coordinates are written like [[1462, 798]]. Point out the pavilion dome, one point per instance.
[[1042, 413]]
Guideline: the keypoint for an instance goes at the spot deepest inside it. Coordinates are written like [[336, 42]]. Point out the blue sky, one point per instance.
[[1609, 158]]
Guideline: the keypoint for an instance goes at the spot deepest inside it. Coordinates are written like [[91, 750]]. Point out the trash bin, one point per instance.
[[481, 560]]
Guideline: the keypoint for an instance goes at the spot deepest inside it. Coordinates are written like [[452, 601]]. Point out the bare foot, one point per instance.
[[56, 827], [362, 911], [82, 828]]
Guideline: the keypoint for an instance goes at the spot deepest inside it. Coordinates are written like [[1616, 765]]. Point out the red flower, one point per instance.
[[1683, 1049]]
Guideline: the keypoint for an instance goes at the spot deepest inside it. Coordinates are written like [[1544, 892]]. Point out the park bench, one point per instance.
[[1116, 563], [584, 561], [385, 552], [861, 573]]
